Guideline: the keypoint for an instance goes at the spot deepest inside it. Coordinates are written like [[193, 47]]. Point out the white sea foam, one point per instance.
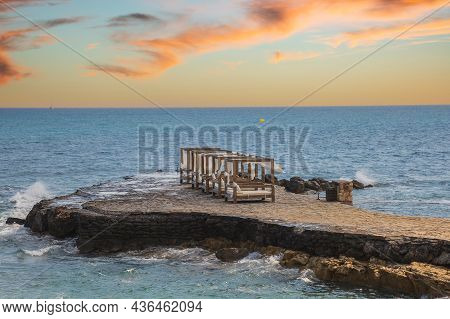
[[41, 251], [24, 200], [8, 231], [307, 275], [131, 270], [364, 177]]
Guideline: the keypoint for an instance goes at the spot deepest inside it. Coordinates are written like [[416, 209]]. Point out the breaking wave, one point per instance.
[[363, 177], [24, 200], [41, 251]]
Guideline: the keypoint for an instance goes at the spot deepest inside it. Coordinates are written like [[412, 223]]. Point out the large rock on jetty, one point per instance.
[[298, 185]]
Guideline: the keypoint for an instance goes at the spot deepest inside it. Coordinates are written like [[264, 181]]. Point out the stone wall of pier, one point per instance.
[[109, 232]]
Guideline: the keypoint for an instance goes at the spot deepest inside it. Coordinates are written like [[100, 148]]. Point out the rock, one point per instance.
[[357, 185], [319, 180], [231, 254], [215, 244], [294, 259], [443, 260], [13, 220], [62, 222], [271, 250], [268, 179], [311, 184], [37, 217], [296, 179], [326, 185], [296, 187], [416, 279], [368, 186], [283, 182]]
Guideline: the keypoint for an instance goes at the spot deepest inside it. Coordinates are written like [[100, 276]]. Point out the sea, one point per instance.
[[403, 152]]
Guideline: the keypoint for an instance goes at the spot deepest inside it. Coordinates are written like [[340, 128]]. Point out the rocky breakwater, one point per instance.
[[414, 279], [299, 185], [180, 216]]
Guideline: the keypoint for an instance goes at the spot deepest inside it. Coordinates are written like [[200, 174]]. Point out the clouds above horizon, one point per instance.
[[280, 56], [263, 21], [370, 36], [133, 18], [147, 45], [23, 3], [25, 39]]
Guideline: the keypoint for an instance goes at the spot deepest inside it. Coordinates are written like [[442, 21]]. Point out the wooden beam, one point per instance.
[[272, 171]]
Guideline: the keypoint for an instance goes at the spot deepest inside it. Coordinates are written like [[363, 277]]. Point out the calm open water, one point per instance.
[[403, 151]]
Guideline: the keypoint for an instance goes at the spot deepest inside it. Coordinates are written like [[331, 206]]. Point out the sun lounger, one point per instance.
[[249, 191]]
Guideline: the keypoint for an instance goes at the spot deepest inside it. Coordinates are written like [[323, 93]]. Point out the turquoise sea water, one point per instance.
[[403, 151]]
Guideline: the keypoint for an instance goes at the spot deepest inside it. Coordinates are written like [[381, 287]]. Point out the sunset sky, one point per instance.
[[223, 52]]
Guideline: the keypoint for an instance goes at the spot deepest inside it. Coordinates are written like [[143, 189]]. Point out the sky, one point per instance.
[[199, 53]]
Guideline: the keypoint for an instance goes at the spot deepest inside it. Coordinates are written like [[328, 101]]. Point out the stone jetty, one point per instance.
[[341, 243]]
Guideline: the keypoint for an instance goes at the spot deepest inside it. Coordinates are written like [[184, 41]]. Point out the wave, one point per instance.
[[307, 276], [40, 252], [8, 231], [24, 200], [362, 176]]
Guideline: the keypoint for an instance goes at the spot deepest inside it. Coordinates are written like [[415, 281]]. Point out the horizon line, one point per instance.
[[222, 107]]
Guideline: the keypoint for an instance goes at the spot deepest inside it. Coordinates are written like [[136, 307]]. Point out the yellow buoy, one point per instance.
[[262, 121]]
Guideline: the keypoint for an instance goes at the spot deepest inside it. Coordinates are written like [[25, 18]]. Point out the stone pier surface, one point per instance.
[[171, 214]]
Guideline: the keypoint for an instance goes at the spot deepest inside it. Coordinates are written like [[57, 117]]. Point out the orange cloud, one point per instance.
[[92, 46], [264, 21], [8, 70], [374, 35], [279, 56], [20, 39], [21, 3], [115, 69]]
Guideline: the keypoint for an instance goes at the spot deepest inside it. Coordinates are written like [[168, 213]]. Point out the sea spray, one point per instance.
[[24, 200], [363, 177]]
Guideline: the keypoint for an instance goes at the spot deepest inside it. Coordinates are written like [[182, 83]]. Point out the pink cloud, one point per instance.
[[373, 35], [263, 21], [279, 56], [92, 46], [23, 39]]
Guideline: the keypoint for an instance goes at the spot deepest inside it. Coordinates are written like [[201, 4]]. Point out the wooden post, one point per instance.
[[196, 170], [191, 168], [207, 173], [249, 171], [272, 171], [181, 166], [202, 165], [256, 170]]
